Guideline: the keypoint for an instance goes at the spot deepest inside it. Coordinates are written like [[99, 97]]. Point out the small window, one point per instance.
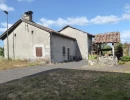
[[63, 51], [32, 32], [38, 51]]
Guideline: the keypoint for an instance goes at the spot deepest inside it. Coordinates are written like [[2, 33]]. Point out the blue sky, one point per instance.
[[92, 16]]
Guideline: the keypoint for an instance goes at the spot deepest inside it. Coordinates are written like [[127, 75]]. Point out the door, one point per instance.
[[38, 51], [68, 51]]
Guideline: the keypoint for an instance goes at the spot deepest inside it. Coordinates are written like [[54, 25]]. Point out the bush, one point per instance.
[[119, 50], [105, 46], [126, 49], [92, 57], [1, 51], [121, 62], [125, 58]]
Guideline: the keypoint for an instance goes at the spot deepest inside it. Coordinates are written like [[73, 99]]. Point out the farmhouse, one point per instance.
[[29, 40]]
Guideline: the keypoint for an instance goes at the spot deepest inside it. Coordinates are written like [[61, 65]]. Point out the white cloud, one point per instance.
[[4, 26], [61, 22], [126, 15], [105, 19], [125, 36], [26, 0], [46, 22], [127, 8], [3, 29], [5, 7], [82, 21]]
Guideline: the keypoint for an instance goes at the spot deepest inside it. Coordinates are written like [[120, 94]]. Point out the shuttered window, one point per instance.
[[38, 51]]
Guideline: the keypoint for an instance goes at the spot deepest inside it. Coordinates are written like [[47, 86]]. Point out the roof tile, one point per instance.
[[111, 37]]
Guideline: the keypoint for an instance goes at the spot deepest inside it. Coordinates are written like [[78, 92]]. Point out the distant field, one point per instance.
[[66, 84]]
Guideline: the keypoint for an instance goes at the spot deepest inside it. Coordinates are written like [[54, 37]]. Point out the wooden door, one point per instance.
[[38, 51]]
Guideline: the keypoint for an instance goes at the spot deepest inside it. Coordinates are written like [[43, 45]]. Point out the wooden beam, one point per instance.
[[100, 52], [107, 49], [113, 51]]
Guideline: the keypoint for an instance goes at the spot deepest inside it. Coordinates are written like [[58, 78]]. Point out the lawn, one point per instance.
[[63, 84]]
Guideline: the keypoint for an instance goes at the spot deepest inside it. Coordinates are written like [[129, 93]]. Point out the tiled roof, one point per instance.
[[38, 26], [127, 44], [46, 29], [4, 35], [76, 29], [112, 37]]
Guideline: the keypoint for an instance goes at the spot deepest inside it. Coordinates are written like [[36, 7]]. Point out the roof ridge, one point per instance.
[[3, 36], [40, 26], [10, 29], [76, 29]]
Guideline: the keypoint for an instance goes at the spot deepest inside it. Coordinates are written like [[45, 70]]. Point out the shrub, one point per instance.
[[125, 58], [121, 62], [125, 49], [105, 46], [91, 56], [119, 50], [1, 51]]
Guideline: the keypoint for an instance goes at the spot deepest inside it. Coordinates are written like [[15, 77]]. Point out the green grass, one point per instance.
[[68, 85]]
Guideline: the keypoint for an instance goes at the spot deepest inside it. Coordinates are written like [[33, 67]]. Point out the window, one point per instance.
[[63, 51], [32, 32], [38, 51]]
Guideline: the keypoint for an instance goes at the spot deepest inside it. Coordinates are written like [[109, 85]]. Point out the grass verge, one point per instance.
[[68, 85], [8, 64]]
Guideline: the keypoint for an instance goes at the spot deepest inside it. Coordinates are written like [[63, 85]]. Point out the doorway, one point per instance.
[[38, 51], [68, 51]]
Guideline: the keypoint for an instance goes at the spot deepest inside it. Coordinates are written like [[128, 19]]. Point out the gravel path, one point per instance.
[[118, 68], [17, 73]]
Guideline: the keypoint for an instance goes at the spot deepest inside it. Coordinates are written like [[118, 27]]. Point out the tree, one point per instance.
[[125, 49], [1, 51], [118, 50], [105, 46]]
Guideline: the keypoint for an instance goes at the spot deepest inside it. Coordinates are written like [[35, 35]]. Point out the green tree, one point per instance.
[[105, 46], [125, 49], [1, 51], [118, 50]]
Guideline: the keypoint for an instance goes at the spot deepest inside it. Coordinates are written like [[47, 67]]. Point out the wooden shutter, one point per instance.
[[38, 51]]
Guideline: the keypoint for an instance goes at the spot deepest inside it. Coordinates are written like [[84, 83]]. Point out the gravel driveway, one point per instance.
[[17, 73], [117, 68]]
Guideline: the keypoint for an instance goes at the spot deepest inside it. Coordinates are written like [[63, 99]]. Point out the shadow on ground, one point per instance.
[[61, 84]]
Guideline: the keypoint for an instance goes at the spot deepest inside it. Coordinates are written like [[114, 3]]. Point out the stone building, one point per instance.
[[29, 40], [83, 43]]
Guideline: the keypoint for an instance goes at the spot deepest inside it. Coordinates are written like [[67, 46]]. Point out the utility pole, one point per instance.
[[7, 35]]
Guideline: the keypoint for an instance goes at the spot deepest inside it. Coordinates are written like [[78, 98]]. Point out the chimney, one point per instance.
[[27, 15]]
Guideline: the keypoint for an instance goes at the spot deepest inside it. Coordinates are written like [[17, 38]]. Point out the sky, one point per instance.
[[92, 16]]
